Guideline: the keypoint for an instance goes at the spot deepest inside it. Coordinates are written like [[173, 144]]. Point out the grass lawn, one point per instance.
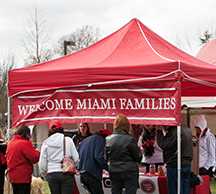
[[46, 189], [213, 186]]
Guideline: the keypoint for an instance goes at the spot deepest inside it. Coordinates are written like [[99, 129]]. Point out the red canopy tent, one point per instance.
[[132, 72], [132, 59], [208, 52]]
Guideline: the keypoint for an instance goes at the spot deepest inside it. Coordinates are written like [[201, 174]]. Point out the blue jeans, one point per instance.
[[172, 180], [92, 183], [60, 183], [129, 184]]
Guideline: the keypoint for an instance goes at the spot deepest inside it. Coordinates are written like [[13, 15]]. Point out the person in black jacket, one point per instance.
[[123, 155], [168, 144]]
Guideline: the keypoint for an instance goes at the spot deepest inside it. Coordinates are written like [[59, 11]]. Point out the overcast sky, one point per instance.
[[167, 18]]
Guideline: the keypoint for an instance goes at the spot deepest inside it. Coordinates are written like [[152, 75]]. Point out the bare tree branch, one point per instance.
[[83, 37], [7, 63], [37, 37]]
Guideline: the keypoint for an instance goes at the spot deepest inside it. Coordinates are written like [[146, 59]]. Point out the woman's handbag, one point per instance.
[[68, 164]]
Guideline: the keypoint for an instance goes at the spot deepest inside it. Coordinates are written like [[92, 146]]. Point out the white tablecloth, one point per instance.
[[147, 184]]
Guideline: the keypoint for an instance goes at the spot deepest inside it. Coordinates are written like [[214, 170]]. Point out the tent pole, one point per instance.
[[179, 157], [105, 126], [8, 132]]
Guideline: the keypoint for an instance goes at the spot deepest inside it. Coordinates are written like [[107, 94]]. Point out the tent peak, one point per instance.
[[133, 52]]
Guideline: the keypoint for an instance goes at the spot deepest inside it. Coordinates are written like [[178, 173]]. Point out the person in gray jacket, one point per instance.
[[168, 143], [123, 155]]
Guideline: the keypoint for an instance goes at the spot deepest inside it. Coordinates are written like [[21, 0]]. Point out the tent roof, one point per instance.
[[208, 52], [134, 53]]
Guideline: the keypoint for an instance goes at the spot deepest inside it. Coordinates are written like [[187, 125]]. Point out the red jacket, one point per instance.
[[21, 155]]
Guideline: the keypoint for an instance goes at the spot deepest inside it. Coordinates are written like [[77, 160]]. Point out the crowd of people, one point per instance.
[[117, 152]]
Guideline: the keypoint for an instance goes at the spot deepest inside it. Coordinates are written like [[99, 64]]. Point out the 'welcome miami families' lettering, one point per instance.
[[100, 104]]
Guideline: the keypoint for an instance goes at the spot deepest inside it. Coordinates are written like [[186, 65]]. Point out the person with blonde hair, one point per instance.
[[123, 155], [2, 138]]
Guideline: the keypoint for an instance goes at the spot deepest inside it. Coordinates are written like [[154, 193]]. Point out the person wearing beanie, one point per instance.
[[51, 159], [206, 146], [200, 125], [92, 161]]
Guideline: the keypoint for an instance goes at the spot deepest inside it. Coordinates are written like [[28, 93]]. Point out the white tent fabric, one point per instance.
[[199, 101]]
